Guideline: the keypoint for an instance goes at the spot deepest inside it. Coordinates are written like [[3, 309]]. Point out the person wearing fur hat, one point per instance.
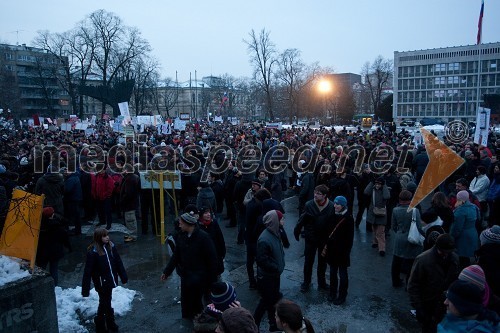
[[465, 311], [338, 250], [270, 260], [432, 273], [195, 260], [463, 228], [377, 211]]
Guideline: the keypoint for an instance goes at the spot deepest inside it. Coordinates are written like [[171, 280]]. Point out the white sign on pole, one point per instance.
[[278, 126], [482, 126], [218, 119], [66, 127], [93, 120], [81, 126], [149, 179], [180, 125]]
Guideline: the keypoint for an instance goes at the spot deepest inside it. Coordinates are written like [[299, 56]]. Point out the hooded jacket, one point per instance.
[[270, 256], [52, 185]]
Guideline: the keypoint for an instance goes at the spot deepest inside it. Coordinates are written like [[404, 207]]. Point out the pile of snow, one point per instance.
[[71, 306], [10, 270]]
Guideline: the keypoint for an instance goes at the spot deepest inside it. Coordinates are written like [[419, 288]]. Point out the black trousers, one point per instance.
[[105, 295], [339, 280], [191, 299], [251, 253], [310, 250], [269, 289], [400, 265], [150, 203]]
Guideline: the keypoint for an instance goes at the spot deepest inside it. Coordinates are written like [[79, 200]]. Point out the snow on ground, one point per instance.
[[71, 306], [10, 270]]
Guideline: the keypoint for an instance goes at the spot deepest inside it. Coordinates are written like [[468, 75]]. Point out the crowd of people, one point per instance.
[[242, 173]]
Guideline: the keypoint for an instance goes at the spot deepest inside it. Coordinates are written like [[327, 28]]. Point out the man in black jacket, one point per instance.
[[195, 260], [129, 200], [317, 213]]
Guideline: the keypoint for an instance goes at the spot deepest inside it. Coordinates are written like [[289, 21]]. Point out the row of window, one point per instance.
[[436, 110], [449, 68], [487, 80], [30, 58], [450, 95], [453, 54]]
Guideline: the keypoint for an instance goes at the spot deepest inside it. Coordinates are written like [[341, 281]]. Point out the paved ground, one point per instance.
[[372, 304]]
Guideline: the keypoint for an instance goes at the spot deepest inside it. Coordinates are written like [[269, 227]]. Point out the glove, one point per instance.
[[296, 233]]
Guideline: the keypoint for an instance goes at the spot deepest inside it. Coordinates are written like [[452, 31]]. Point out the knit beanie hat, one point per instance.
[[189, 219], [238, 320], [463, 196], [491, 235], [47, 212], [340, 200], [466, 297], [445, 242], [222, 294], [411, 186], [475, 275]]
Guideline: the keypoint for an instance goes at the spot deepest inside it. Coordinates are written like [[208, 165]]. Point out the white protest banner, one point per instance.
[[93, 120], [124, 111], [482, 126], [81, 126], [66, 127], [278, 126], [218, 119], [180, 125], [89, 131], [166, 129]]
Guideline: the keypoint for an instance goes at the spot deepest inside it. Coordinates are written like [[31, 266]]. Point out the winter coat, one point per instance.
[[252, 214], [454, 324], [218, 189], [130, 190], [340, 244], [446, 214], [51, 241], [52, 186], [103, 270], [464, 229], [240, 190], [420, 162], [381, 197], [494, 190], [215, 233], [270, 257], [307, 188], [315, 222], [401, 222], [489, 259], [479, 186], [206, 198], [276, 186], [430, 277], [194, 259], [340, 186], [103, 186], [73, 188]]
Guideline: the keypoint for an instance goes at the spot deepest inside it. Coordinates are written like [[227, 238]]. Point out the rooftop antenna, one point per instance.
[[17, 35]]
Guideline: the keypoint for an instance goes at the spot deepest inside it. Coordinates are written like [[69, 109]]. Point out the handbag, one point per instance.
[[378, 211], [325, 248], [414, 236]]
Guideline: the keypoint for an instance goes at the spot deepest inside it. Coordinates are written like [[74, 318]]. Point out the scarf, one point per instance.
[[206, 223]]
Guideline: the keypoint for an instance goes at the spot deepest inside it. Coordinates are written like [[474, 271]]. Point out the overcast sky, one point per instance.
[[207, 36]]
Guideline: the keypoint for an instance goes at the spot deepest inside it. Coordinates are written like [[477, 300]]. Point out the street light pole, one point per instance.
[[325, 87]]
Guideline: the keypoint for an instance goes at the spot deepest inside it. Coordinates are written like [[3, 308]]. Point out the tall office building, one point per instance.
[[442, 83]]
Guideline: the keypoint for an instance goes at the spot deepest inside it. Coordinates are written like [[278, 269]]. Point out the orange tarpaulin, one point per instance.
[[22, 226]]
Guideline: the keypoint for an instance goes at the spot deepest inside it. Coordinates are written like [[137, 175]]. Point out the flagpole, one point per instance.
[[479, 39]]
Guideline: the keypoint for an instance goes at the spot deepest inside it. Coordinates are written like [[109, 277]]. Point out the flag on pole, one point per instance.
[[480, 23]]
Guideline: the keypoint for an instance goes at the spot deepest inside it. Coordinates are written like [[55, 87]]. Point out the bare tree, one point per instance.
[[376, 78], [262, 57], [144, 72], [116, 45], [291, 73]]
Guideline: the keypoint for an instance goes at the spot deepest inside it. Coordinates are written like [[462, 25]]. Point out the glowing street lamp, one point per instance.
[[325, 87]]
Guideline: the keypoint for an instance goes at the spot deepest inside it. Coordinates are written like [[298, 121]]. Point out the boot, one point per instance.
[[100, 324], [110, 321]]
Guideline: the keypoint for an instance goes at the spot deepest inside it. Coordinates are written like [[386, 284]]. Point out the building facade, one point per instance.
[[35, 81], [443, 83]]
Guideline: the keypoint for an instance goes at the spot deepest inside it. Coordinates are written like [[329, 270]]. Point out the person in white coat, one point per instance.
[[479, 186]]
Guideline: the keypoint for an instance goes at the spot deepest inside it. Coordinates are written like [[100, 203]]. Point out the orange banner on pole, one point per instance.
[[22, 226]]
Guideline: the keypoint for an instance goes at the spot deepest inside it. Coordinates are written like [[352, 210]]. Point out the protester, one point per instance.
[[290, 319], [103, 265]]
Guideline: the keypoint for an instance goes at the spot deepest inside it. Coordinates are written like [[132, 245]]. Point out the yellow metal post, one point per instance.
[[162, 208]]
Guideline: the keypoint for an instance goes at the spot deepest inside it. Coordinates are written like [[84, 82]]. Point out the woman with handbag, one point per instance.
[[377, 211], [404, 252], [338, 250]]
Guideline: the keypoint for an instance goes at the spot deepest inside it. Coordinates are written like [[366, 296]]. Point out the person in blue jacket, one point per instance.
[[103, 266]]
